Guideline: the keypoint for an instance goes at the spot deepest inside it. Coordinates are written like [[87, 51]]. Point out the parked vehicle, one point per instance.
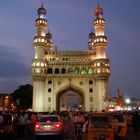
[[100, 127], [49, 125]]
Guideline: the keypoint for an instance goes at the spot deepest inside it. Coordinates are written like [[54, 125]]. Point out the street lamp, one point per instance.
[[6, 102], [128, 101]]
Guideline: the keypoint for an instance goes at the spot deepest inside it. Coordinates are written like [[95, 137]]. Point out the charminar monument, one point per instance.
[[55, 73]]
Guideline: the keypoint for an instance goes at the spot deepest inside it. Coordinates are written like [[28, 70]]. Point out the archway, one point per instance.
[[66, 91]]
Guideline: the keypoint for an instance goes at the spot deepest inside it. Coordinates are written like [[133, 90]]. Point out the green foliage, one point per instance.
[[22, 96]]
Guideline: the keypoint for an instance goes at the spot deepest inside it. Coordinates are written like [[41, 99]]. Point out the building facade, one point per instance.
[[85, 72]]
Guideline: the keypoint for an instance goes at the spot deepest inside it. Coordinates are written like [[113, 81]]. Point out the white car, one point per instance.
[[49, 125]]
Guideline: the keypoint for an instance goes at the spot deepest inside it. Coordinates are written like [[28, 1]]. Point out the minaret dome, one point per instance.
[[91, 34], [49, 35], [41, 11], [98, 11]]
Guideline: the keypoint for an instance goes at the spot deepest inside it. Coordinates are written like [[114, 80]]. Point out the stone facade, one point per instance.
[[84, 72]]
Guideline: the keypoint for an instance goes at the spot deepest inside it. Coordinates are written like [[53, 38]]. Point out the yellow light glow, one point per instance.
[[98, 71], [35, 40], [6, 97], [42, 40], [37, 64], [101, 39], [33, 64], [42, 64], [37, 70], [98, 64]]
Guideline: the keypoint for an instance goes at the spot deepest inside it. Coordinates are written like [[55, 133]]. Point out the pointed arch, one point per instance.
[[66, 89]]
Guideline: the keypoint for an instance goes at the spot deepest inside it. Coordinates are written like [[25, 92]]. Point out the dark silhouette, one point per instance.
[[136, 121], [22, 97]]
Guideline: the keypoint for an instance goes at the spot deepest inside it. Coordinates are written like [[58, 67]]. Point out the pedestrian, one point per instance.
[[22, 123], [1, 119], [78, 122], [85, 128], [34, 119], [136, 121], [79, 118], [16, 123], [68, 126]]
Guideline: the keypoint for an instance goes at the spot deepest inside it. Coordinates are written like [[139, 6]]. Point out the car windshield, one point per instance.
[[120, 118], [99, 121], [49, 119]]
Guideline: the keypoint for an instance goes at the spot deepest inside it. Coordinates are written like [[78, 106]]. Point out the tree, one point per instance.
[[22, 97]]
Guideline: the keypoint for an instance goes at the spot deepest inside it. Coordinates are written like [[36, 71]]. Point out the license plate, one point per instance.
[[47, 127]]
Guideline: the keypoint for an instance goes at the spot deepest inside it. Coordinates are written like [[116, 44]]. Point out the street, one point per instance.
[[28, 136], [131, 135]]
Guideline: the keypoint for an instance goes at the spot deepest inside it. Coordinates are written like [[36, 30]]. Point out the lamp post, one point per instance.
[[127, 102], [6, 103]]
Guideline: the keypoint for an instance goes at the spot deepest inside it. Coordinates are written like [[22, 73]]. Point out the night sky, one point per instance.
[[70, 22]]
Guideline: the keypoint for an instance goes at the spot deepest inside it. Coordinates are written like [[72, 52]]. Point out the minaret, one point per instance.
[[91, 41], [101, 63], [38, 63], [49, 41]]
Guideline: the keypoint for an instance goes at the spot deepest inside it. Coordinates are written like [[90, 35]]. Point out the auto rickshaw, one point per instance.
[[100, 127]]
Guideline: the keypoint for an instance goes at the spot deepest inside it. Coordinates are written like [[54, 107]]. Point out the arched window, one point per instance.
[[49, 90], [90, 71], [56, 70], [49, 71], [84, 71], [63, 70], [49, 82], [90, 82], [70, 70], [76, 71], [90, 90]]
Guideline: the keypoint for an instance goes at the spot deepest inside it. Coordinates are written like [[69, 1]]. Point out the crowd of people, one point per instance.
[[136, 121], [25, 121]]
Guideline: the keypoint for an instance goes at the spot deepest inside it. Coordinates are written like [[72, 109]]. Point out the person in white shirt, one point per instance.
[[79, 120]]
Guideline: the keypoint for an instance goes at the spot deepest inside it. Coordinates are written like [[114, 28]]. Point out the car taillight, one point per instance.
[[58, 125], [37, 126]]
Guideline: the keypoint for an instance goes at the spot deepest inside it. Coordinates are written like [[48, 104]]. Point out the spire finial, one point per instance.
[[42, 5], [98, 10], [42, 10], [98, 3]]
